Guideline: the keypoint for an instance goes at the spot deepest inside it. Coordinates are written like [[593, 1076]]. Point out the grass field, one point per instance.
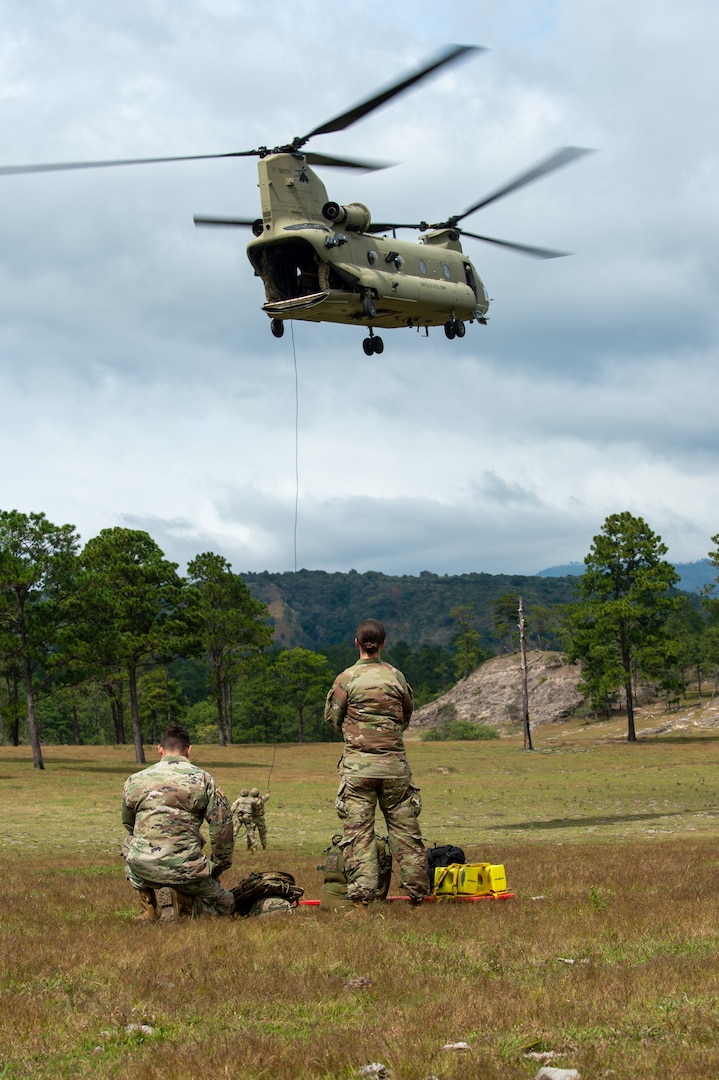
[[606, 960]]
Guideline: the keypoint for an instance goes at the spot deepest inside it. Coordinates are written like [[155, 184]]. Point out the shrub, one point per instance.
[[459, 731]]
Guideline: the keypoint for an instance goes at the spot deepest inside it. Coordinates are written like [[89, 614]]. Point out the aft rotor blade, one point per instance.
[[384, 226], [346, 119], [523, 249], [201, 219], [12, 170], [555, 161], [346, 163]]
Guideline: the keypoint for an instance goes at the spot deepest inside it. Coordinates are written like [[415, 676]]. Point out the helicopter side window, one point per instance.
[[372, 257], [470, 278], [447, 272], [422, 266]]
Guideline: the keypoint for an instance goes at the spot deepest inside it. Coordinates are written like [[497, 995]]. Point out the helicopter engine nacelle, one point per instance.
[[355, 217]]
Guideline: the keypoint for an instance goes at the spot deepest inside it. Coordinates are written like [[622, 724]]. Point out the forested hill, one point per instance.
[[315, 609]]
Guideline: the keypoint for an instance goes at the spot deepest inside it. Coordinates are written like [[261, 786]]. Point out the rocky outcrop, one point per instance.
[[493, 693]]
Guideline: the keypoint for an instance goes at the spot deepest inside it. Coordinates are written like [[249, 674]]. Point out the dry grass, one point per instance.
[[607, 957]]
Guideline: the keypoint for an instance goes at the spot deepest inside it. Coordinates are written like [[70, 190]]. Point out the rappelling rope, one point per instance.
[[297, 442], [297, 504]]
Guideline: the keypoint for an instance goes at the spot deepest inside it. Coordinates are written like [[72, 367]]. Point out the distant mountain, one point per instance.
[[693, 575], [572, 569]]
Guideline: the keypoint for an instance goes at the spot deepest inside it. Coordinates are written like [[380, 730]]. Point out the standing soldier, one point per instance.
[[371, 704], [242, 815], [163, 808], [258, 814]]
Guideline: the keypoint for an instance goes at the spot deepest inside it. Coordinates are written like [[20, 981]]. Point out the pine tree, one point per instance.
[[618, 627]]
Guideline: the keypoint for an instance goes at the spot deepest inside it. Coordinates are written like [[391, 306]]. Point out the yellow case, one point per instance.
[[497, 879], [445, 879], [473, 880], [481, 879], [470, 879]]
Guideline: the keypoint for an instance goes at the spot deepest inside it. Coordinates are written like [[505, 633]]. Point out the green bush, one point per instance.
[[459, 731]]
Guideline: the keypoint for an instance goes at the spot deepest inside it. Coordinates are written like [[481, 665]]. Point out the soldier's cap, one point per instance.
[[255, 791], [244, 792]]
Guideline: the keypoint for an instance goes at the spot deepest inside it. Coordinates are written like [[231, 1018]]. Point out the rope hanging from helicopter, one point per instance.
[[295, 523]]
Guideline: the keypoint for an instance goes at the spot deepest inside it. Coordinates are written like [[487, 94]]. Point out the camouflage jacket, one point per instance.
[[242, 809], [163, 808], [371, 704], [258, 807]]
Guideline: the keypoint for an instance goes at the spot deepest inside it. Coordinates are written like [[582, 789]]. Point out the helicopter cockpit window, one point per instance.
[[372, 257], [422, 266], [447, 272]]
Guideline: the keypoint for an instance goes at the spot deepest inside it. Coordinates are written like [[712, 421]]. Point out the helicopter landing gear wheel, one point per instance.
[[459, 328], [369, 307], [372, 345], [450, 329], [277, 327]]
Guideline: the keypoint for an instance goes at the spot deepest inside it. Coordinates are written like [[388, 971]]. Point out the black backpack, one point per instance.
[[443, 855]]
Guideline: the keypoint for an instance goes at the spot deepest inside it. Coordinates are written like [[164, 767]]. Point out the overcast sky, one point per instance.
[[139, 381]]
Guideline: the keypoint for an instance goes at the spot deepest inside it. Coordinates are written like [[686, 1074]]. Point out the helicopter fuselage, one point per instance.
[[318, 263]]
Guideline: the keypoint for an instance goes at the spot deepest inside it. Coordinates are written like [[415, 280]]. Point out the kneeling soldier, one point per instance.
[[163, 808]]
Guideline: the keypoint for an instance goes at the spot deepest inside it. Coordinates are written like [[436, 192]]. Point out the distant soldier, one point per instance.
[[371, 704], [163, 808], [258, 814], [242, 816]]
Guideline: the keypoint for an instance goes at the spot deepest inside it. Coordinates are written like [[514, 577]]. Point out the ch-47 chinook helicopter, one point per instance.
[[322, 262]]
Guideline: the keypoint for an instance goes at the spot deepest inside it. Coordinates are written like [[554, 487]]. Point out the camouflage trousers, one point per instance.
[[250, 834], [400, 803], [207, 891]]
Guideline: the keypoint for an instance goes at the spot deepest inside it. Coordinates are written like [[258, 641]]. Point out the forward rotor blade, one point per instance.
[[523, 249], [346, 119], [13, 170], [555, 161], [246, 223]]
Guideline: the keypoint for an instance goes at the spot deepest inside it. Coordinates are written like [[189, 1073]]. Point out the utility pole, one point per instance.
[[525, 690]]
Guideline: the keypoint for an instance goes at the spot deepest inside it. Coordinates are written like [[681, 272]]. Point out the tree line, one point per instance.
[[106, 642]]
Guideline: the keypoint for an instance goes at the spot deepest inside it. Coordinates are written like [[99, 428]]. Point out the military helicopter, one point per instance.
[[320, 261]]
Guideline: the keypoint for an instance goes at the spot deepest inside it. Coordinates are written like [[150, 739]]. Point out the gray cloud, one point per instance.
[[139, 380]]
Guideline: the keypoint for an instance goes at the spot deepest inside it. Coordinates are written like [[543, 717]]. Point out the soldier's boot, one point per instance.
[[148, 906], [188, 907], [168, 904]]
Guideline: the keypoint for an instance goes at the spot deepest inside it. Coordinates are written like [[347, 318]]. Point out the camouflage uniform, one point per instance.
[[258, 814], [371, 704], [163, 808], [242, 815]]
